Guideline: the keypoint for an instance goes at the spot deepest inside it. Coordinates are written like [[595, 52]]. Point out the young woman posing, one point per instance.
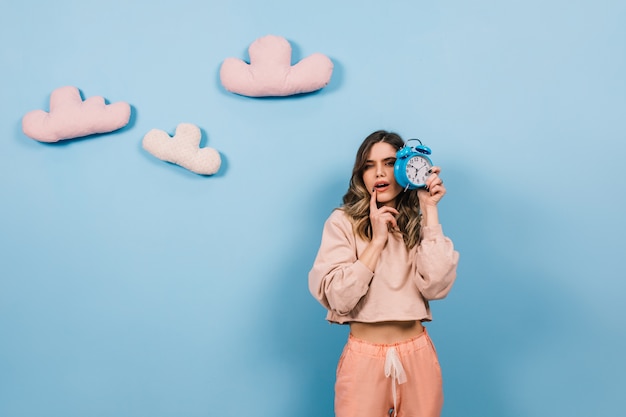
[[382, 257]]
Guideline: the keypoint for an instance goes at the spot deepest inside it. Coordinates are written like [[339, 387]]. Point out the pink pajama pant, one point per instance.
[[379, 380]]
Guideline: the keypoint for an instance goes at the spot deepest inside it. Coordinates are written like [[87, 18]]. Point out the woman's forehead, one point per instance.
[[381, 150]]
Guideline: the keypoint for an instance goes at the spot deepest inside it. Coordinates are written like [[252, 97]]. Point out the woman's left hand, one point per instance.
[[434, 191]]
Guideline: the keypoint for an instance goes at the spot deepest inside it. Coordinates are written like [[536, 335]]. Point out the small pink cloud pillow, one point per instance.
[[70, 117], [270, 72], [183, 149]]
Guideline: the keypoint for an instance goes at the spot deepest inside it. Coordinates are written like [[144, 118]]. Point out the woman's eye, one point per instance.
[[368, 166]]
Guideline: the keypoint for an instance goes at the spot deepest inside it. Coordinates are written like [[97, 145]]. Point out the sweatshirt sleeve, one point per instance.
[[338, 280], [435, 263]]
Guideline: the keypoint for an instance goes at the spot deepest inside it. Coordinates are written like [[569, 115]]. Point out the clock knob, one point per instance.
[[425, 150], [403, 152]]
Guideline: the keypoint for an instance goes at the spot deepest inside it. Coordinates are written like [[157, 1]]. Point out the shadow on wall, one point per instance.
[[483, 324], [506, 308]]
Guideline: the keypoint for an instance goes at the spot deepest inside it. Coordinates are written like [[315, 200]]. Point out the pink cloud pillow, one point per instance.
[[70, 117], [270, 72]]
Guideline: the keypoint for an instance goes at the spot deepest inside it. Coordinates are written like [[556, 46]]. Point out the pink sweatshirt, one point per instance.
[[400, 288]]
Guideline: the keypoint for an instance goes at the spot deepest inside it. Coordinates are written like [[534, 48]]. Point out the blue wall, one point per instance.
[[132, 287]]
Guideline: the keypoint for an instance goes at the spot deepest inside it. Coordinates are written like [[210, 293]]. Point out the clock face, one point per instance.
[[417, 169]]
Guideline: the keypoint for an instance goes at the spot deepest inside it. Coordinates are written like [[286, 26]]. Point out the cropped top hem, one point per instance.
[[347, 320]]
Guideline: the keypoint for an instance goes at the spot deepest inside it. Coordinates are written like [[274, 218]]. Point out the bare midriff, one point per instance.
[[386, 332]]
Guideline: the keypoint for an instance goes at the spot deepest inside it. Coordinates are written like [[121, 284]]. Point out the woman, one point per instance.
[[382, 257]]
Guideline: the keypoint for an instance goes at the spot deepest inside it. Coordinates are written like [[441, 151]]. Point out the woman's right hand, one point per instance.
[[382, 219]]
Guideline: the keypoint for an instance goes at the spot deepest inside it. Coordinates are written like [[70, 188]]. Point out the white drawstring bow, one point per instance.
[[395, 370]]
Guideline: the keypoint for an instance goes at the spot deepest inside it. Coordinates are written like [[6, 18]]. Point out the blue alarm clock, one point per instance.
[[412, 165]]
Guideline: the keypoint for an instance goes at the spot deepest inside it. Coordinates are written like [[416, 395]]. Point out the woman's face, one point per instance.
[[378, 173]]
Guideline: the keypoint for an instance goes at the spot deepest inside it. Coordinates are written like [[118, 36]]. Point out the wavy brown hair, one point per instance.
[[356, 201]]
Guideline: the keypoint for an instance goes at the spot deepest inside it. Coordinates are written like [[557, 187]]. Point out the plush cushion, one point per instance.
[[270, 72], [183, 149], [70, 117]]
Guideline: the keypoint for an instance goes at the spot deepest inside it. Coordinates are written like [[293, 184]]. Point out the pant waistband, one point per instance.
[[380, 349]]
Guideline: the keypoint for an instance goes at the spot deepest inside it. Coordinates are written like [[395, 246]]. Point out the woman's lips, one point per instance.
[[381, 186]]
